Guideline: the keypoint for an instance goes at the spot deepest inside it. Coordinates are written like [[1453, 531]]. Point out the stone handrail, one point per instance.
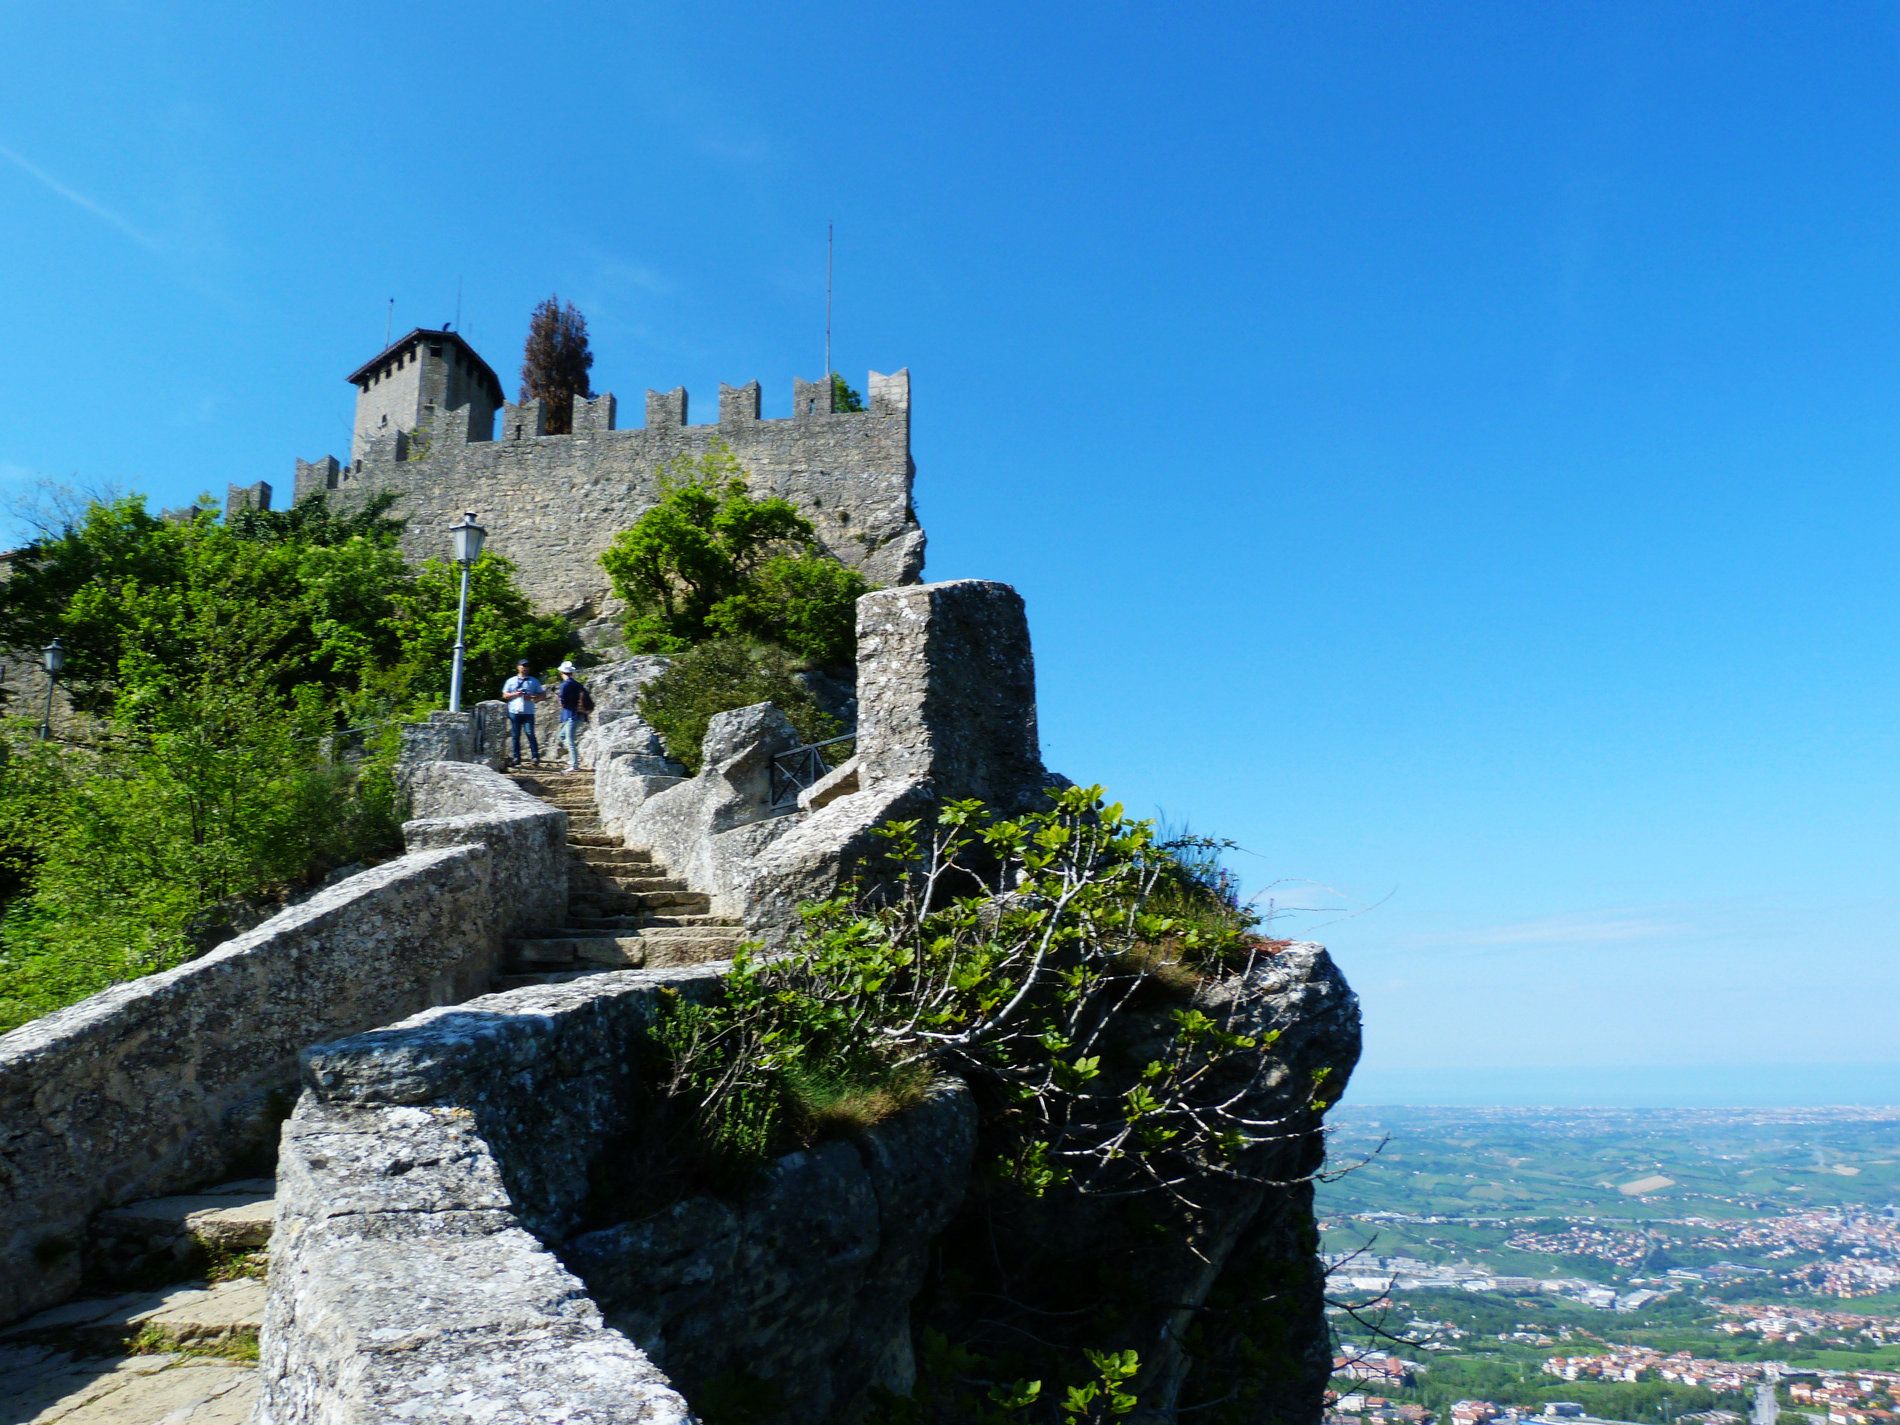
[[406, 1277], [439, 1251], [175, 1080]]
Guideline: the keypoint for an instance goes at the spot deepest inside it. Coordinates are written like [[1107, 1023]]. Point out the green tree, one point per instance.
[[216, 663], [502, 626], [710, 559], [844, 397], [555, 362], [199, 795], [715, 677]]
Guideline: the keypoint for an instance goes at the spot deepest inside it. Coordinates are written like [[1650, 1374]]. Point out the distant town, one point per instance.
[[1496, 1266]]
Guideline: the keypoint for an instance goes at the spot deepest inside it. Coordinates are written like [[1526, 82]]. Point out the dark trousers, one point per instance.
[[521, 720]]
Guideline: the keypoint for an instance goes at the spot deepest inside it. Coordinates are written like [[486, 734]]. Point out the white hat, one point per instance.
[[568, 666]]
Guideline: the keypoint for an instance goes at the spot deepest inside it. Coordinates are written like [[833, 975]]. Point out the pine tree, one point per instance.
[[555, 362]]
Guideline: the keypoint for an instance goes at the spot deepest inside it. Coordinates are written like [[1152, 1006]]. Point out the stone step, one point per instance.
[[668, 954], [632, 878], [197, 1313], [601, 857], [43, 1384], [589, 903], [576, 839], [515, 979], [627, 950], [161, 1236], [620, 951], [235, 1216], [643, 920]]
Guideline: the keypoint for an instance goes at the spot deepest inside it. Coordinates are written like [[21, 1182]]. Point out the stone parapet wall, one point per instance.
[[175, 1080], [469, 803], [480, 734], [165, 1083], [552, 503], [434, 1176], [406, 1281], [946, 700]]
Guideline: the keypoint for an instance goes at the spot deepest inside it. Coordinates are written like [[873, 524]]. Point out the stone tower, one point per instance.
[[406, 385]]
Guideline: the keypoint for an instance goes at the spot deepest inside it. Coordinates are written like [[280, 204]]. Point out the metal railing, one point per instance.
[[795, 770]]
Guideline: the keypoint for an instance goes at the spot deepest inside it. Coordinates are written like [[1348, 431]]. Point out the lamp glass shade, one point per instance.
[[55, 657], [467, 539]]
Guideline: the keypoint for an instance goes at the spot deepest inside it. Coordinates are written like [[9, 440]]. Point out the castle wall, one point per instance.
[[553, 503]]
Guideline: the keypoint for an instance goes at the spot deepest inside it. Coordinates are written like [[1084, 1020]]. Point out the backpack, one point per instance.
[[587, 702]]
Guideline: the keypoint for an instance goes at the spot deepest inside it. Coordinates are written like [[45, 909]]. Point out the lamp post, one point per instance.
[[466, 539], [55, 660]]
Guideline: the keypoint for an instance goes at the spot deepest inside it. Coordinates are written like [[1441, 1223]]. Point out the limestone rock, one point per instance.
[[802, 1284]]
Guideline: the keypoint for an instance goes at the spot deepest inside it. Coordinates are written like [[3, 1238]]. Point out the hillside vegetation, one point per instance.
[[235, 689]]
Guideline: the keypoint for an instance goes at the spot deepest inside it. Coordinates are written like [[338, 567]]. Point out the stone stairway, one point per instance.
[[175, 1354], [624, 911]]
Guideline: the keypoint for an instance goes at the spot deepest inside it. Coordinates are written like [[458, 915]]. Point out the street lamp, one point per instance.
[[466, 539], [55, 660]]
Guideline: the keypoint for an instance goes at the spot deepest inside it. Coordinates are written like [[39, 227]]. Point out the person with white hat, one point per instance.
[[576, 704]]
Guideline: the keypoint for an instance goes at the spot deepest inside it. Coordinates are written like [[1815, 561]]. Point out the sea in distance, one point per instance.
[[1622, 1086]]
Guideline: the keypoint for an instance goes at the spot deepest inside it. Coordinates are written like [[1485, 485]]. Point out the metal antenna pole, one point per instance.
[[389, 321], [827, 304]]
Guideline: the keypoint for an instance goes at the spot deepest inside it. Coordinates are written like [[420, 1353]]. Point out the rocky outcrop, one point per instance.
[[1217, 1282], [1247, 1257], [435, 1174], [798, 1291]]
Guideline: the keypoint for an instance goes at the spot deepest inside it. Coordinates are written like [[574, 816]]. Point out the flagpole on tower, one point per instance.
[[827, 304]]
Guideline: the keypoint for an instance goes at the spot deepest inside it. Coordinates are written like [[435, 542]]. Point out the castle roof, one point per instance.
[[420, 334]]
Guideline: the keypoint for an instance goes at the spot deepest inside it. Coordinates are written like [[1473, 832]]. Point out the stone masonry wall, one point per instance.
[[459, 1149], [470, 803], [169, 1082], [946, 697], [552, 503], [158, 1085]]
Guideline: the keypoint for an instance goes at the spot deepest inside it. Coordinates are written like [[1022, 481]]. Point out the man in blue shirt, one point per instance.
[[523, 691]]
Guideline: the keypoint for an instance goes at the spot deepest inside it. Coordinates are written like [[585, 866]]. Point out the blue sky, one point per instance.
[[1449, 449]]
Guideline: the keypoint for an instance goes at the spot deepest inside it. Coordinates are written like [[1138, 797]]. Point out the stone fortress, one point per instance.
[[408, 1084], [426, 429]]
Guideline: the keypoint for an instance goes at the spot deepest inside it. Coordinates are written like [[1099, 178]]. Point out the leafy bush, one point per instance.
[[717, 677], [130, 850], [1030, 957], [710, 560], [215, 664], [1007, 951], [282, 600]]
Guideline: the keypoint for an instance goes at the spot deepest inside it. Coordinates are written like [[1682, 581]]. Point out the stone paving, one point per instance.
[[70, 1364], [42, 1384]]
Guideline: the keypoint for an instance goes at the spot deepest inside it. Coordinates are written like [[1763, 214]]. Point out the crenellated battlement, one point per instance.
[[431, 428]]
